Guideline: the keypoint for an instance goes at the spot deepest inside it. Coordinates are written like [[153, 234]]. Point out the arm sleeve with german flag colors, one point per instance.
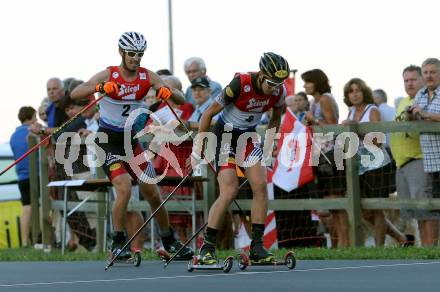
[[230, 93]]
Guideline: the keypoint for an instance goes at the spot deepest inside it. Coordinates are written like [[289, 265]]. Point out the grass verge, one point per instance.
[[28, 254]]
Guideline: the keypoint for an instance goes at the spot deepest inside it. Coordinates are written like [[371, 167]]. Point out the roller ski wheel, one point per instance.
[[163, 255], [227, 264], [243, 261], [137, 258], [194, 264], [290, 260]]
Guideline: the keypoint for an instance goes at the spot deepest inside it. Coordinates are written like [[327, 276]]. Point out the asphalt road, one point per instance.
[[324, 276]]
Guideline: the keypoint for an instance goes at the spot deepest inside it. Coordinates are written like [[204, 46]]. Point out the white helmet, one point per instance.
[[132, 41]]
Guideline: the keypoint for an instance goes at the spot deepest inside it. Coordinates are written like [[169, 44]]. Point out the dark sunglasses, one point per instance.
[[132, 54]]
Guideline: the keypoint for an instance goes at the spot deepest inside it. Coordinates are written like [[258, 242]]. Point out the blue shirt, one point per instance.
[[50, 111], [55, 116], [215, 87], [19, 146], [199, 110]]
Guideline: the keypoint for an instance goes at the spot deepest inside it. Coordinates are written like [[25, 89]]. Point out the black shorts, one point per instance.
[[113, 166], [228, 155], [330, 180], [25, 190], [377, 183]]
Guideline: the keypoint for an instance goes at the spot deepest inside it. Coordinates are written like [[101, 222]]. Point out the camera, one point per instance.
[[408, 109], [407, 114]]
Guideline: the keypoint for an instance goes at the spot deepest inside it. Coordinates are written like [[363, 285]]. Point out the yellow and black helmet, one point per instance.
[[274, 67]]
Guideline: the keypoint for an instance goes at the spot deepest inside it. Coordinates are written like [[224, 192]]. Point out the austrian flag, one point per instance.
[[292, 167]]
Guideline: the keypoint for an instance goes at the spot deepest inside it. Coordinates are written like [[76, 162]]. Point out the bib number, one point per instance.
[[126, 108], [250, 119]]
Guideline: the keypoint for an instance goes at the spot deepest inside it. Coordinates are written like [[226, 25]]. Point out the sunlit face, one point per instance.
[[200, 94], [355, 95], [132, 60], [55, 90], [309, 88], [431, 76], [412, 82], [193, 71]]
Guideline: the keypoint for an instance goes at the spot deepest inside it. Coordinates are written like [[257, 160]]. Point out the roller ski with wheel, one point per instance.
[[245, 261], [207, 260], [127, 257], [196, 264]]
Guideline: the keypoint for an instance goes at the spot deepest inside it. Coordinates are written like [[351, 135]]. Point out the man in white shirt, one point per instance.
[[387, 113]]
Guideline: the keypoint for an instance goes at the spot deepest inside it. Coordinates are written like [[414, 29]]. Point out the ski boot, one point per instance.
[[127, 256], [171, 246]]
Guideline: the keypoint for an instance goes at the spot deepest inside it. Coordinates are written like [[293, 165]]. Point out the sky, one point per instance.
[[373, 40]]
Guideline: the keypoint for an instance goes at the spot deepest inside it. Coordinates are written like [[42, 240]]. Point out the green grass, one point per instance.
[[301, 254]]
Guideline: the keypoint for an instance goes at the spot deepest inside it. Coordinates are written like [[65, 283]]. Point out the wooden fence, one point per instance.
[[352, 203]]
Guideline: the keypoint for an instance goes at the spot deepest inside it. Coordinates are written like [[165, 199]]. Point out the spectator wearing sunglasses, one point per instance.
[[124, 88]]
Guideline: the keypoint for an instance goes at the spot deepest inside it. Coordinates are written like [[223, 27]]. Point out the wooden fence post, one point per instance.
[[34, 189], [46, 228], [101, 215], [353, 195]]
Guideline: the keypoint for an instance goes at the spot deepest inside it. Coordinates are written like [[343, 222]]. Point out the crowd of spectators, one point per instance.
[[411, 164]]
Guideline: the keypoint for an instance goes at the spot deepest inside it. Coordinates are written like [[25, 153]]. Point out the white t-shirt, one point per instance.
[[387, 114]]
